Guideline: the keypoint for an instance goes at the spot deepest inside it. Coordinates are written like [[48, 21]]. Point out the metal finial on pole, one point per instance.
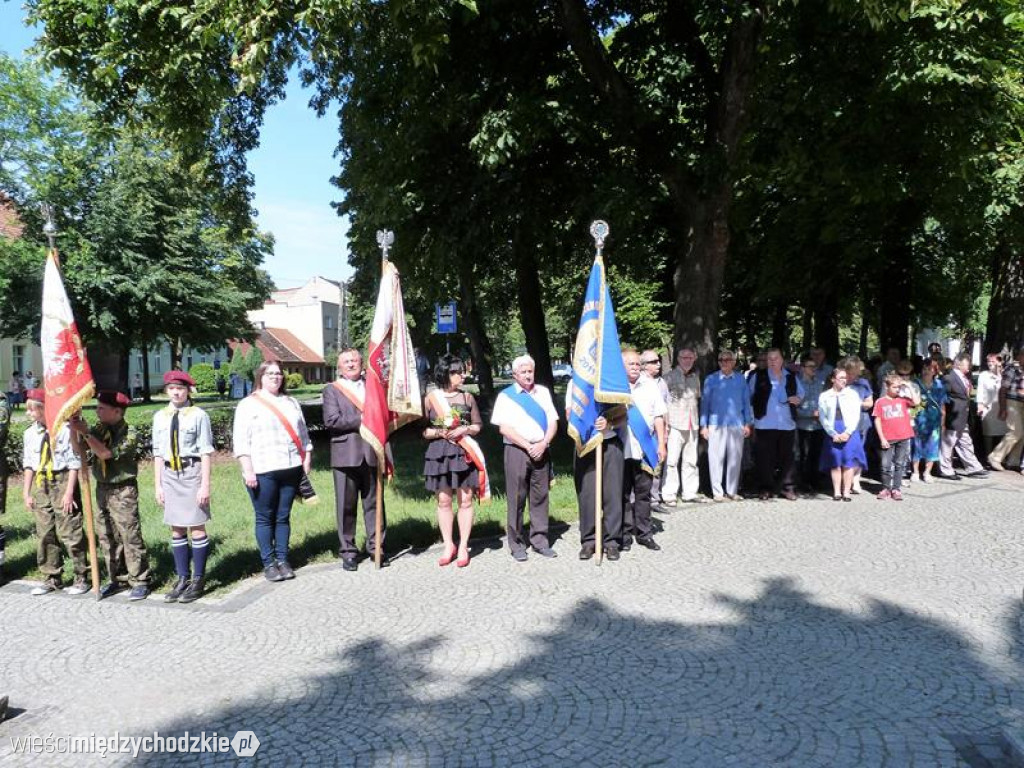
[[385, 239], [49, 228], [599, 231]]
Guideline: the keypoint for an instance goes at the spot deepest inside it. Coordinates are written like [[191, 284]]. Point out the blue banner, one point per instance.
[[599, 378]]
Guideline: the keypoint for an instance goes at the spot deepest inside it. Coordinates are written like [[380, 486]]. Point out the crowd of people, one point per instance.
[[789, 429]]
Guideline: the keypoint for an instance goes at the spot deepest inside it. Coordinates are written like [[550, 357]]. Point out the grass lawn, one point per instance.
[[411, 514]]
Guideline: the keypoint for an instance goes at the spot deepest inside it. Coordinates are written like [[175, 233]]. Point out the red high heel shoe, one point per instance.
[[446, 559], [460, 563]]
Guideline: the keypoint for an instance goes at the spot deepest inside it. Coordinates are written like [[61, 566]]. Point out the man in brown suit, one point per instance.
[[353, 460]]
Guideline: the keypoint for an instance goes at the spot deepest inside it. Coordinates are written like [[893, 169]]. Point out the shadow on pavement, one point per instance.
[[790, 682]]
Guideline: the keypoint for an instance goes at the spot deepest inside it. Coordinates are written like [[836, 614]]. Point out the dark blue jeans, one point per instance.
[[272, 500]]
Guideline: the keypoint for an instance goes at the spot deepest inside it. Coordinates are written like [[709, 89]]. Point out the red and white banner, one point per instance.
[[67, 377], [393, 396]]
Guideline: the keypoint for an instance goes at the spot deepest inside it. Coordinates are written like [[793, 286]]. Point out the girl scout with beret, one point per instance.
[[182, 451]]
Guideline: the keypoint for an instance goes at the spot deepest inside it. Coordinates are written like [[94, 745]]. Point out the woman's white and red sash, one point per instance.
[[474, 453]]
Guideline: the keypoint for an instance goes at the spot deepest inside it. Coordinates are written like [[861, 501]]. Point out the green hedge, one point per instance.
[[221, 421], [204, 376]]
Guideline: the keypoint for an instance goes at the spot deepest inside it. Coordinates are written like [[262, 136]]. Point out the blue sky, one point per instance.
[[292, 170]]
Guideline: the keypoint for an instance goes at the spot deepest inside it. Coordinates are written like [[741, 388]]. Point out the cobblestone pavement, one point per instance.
[[792, 634]]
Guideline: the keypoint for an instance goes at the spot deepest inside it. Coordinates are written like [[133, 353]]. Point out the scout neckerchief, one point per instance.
[[466, 443], [353, 396], [108, 440], [528, 403], [45, 461], [644, 434], [175, 461]]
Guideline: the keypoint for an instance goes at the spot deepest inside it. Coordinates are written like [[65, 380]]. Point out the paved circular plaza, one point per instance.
[[790, 634]]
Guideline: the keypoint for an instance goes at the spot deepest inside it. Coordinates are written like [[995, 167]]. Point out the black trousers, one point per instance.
[[526, 478], [774, 450], [809, 449], [636, 515], [585, 476], [350, 485]]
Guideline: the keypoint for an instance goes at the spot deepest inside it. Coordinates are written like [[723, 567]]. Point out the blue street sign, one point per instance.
[[445, 317]]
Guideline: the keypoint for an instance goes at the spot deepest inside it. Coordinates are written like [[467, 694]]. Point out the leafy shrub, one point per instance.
[[204, 376], [295, 380]]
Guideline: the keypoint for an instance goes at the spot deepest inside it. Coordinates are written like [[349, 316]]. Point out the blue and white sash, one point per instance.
[[528, 405], [644, 434]]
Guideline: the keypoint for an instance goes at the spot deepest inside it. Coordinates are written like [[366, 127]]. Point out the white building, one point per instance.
[[315, 313]]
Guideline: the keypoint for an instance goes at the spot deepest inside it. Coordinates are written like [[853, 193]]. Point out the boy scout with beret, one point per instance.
[[50, 475], [114, 445]]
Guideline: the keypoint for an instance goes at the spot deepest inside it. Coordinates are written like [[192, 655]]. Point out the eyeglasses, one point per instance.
[[273, 373], [651, 362], [727, 359]]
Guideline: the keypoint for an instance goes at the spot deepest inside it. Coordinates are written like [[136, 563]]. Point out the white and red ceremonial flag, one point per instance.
[[392, 388], [67, 377]]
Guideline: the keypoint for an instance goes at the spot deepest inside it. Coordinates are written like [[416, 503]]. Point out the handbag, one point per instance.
[[307, 494]]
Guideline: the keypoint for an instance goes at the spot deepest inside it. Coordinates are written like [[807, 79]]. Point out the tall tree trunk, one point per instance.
[[826, 323], [174, 347], [698, 278], [896, 289], [1004, 327], [780, 327], [531, 312], [146, 396], [865, 314], [478, 342], [807, 328], [531, 318]]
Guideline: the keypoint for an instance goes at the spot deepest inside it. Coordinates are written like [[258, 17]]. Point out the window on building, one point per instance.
[[328, 322], [158, 362], [18, 358]]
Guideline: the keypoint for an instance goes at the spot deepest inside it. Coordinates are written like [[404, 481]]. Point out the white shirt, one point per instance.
[[651, 405], [64, 456], [261, 436], [357, 387], [195, 435], [507, 413]]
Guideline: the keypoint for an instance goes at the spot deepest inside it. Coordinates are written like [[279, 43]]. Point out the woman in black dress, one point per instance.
[[449, 470]]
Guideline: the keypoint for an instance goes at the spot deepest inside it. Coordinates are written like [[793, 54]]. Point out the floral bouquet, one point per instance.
[[451, 421]]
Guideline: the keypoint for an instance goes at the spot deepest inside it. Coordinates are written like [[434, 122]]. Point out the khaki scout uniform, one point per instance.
[[49, 484], [117, 499]]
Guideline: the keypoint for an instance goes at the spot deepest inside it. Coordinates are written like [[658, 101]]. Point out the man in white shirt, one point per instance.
[[683, 416], [527, 420], [644, 449]]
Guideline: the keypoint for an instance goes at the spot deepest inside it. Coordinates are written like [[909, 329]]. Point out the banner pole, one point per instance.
[[377, 520], [85, 484], [598, 506]]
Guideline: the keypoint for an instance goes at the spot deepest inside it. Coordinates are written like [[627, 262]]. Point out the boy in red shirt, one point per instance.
[[895, 432]]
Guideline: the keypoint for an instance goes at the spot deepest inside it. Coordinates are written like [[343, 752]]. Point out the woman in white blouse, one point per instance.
[[273, 447], [839, 413]]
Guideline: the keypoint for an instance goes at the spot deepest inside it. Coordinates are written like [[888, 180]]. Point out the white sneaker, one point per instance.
[[79, 587], [44, 589]]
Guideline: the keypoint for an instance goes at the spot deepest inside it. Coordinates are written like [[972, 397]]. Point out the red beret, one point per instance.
[[178, 377], [39, 395], [116, 399]]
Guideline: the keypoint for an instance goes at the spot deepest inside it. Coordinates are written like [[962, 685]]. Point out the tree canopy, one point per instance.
[[764, 165]]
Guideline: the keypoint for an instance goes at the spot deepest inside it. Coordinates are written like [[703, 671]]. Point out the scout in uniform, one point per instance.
[[50, 475], [5, 423], [114, 444], [182, 450]]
